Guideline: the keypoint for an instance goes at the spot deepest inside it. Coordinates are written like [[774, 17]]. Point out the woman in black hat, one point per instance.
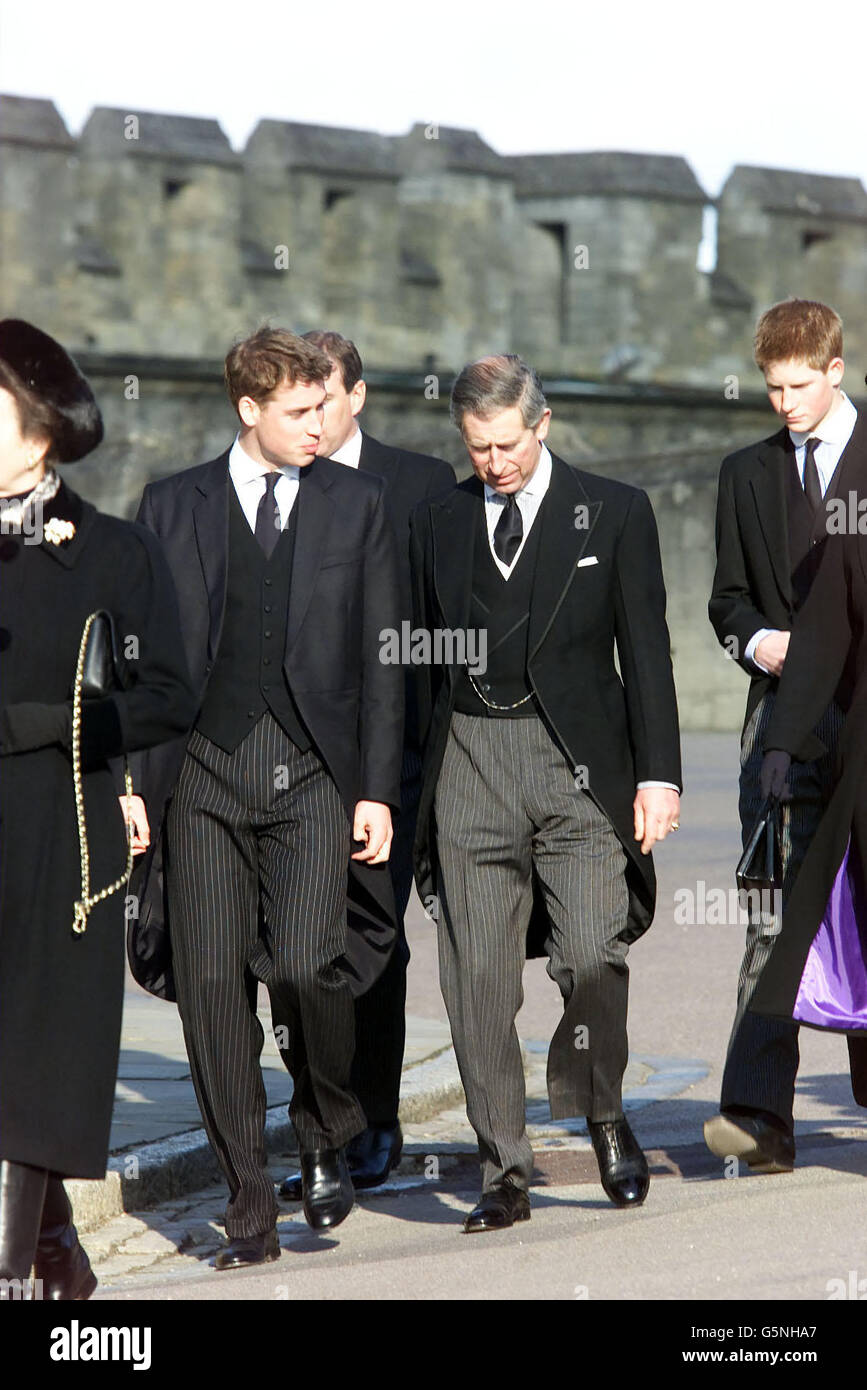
[[61, 954]]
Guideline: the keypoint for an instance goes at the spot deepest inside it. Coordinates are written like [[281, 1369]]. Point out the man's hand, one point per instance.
[[656, 810], [373, 825], [133, 811], [771, 652]]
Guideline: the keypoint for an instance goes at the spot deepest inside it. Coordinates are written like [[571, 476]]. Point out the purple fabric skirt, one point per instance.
[[833, 988]]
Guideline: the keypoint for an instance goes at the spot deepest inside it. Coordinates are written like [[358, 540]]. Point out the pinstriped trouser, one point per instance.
[[506, 803], [762, 1059], [258, 844]]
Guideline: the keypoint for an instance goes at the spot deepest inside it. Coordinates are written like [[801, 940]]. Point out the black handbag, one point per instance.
[[104, 668], [761, 864], [99, 671]]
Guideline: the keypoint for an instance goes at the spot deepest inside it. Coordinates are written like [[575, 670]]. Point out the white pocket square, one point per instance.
[[588, 560]]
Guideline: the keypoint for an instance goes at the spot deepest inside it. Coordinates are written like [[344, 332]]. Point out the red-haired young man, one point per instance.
[[770, 528]]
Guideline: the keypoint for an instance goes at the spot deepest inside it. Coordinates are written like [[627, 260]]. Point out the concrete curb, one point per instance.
[[141, 1178]]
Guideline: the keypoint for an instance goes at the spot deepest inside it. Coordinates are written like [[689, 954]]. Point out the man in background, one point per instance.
[[380, 1028]]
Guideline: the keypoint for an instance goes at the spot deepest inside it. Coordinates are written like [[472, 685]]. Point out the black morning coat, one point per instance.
[[343, 592], [61, 995], [409, 479], [752, 587], [621, 730]]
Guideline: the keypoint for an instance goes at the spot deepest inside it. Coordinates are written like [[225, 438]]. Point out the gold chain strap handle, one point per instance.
[[88, 900]]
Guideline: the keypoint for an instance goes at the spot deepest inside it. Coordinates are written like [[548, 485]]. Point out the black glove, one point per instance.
[[30, 725], [775, 775]]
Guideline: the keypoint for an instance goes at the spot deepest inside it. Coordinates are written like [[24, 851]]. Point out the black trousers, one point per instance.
[[258, 844], [380, 1014], [763, 1055]]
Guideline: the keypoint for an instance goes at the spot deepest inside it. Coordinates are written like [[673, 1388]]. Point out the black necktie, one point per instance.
[[509, 531], [812, 484], [268, 516]]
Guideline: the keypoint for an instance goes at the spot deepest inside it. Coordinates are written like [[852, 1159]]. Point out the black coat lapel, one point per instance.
[[567, 520], [850, 475], [211, 522], [315, 514], [851, 471], [769, 491], [66, 505], [454, 533]]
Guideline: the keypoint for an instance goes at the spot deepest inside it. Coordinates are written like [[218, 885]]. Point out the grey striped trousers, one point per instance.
[[506, 804], [258, 843], [763, 1055]]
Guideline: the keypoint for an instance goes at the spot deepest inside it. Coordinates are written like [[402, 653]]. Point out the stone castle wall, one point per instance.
[[148, 233]]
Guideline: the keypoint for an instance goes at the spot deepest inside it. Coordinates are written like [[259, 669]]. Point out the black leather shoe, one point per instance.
[[61, 1264], [63, 1268], [763, 1146], [328, 1192], [371, 1156], [499, 1208], [622, 1165], [249, 1250]]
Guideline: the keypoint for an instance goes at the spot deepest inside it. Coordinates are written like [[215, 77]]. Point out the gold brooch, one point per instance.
[[57, 530]]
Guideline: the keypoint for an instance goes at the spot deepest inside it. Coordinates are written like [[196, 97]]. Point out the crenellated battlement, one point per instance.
[[147, 233]]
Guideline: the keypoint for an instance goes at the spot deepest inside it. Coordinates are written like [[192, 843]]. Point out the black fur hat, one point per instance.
[[47, 370]]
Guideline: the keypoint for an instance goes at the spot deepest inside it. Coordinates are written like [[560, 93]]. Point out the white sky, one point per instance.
[[725, 82]]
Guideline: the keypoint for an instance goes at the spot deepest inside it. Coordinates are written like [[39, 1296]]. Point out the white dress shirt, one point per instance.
[[350, 452], [248, 478], [833, 434], [529, 499]]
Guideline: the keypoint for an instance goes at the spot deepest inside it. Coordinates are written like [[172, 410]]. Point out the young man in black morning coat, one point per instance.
[[286, 570]]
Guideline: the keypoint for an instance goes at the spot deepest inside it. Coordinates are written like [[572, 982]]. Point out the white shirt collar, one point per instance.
[[536, 487], [350, 452], [834, 429], [245, 469]]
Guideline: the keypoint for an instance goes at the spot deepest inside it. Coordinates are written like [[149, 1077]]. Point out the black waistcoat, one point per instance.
[[806, 530], [248, 675], [502, 606]]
